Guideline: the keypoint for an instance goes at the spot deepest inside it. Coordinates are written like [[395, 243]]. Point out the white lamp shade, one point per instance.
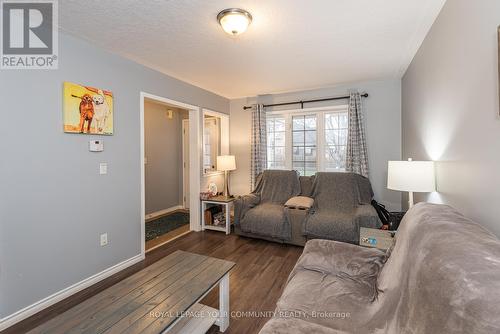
[[226, 162], [415, 176]]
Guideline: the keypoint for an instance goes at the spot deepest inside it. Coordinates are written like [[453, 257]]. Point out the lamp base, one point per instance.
[[410, 199], [226, 184]]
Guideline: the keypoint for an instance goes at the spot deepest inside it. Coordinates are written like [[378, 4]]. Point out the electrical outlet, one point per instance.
[[104, 239]]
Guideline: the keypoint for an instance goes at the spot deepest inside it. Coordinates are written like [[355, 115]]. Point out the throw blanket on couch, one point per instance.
[[263, 212], [341, 206], [442, 275]]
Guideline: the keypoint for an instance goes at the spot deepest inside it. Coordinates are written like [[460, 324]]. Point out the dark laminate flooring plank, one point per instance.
[[260, 266], [65, 321]]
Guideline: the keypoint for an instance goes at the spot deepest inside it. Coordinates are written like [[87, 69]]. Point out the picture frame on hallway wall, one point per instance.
[[87, 110]]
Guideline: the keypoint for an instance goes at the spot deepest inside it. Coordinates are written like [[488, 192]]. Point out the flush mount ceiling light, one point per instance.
[[234, 21]]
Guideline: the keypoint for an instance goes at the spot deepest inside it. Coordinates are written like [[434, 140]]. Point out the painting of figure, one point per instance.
[[87, 110]]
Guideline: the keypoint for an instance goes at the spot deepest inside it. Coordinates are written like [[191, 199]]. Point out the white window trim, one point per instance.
[[320, 132]]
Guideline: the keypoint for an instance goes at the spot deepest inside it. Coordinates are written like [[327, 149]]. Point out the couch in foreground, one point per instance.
[[441, 276]]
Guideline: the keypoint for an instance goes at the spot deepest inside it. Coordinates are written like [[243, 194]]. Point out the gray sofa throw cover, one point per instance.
[[341, 206], [263, 211], [442, 276]]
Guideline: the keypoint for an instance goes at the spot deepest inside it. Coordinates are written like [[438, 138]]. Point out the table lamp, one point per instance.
[[226, 163], [411, 176]]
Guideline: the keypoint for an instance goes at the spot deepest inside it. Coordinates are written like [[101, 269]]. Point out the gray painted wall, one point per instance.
[[450, 108], [383, 131], [163, 150], [53, 202]]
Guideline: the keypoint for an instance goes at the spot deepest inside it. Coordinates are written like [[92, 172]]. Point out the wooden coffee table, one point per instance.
[[162, 298]]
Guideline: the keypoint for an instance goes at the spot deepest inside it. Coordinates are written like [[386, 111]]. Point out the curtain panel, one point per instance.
[[258, 162], [357, 153]]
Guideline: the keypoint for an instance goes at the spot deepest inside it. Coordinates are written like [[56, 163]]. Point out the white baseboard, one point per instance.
[[65, 293], [163, 212]]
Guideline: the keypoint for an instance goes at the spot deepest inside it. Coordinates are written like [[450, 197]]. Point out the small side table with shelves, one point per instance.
[[227, 203]]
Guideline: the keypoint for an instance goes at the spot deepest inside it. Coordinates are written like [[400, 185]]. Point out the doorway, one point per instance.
[[168, 178]]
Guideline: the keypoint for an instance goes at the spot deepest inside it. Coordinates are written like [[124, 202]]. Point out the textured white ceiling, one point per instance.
[[290, 45]]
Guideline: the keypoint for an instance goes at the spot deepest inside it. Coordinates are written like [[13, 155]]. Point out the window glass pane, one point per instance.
[[331, 121], [275, 142], [304, 138], [279, 139], [299, 167], [270, 153], [330, 137], [342, 137], [298, 123], [310, 139], [336, 132], [343, 122], [342, 157], [298, 138], [335, 158], [310, 154], [279, 124], [280, 165], [270, 125], [270, 138], [310, 122], [298, 153], [279, 154]]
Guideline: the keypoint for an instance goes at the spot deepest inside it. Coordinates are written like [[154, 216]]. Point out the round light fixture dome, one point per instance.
[[234, 21]]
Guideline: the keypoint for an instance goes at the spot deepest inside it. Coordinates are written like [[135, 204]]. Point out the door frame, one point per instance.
[[194, 160], [185, 125]]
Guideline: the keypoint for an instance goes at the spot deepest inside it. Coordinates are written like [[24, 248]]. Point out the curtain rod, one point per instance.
[[306, 101]]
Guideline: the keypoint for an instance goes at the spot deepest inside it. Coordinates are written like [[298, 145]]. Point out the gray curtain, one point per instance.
[[259, 155], [357, 154]]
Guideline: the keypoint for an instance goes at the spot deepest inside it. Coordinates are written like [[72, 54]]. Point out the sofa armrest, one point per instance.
[[338, 258], [243, 204], [366, 216], [300, 202]]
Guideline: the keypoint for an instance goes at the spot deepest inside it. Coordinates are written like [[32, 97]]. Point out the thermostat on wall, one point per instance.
[[96, 146]]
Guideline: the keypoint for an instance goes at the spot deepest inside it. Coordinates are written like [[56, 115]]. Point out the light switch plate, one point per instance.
[[104, 239], [103, 168]]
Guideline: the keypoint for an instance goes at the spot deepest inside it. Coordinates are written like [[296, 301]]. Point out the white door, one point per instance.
[[185, 162]]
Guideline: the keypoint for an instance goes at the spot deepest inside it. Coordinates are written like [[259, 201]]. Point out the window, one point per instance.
[[335, 141], [304, 144], [307, 140], [276, 143]]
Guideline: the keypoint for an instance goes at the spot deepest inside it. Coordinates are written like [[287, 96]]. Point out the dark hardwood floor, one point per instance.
[[256, 282]]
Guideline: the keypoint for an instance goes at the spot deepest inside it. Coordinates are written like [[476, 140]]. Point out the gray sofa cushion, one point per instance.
[[277, 186], [306, 183], [341, 206], [266, 219], [290, 325], [263, 212], [443, 276], [333, 277]]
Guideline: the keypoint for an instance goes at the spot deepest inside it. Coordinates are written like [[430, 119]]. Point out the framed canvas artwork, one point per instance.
[[87, 110]]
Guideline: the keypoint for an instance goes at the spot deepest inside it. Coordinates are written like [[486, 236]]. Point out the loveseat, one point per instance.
[[340, 206], [442, 275]]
